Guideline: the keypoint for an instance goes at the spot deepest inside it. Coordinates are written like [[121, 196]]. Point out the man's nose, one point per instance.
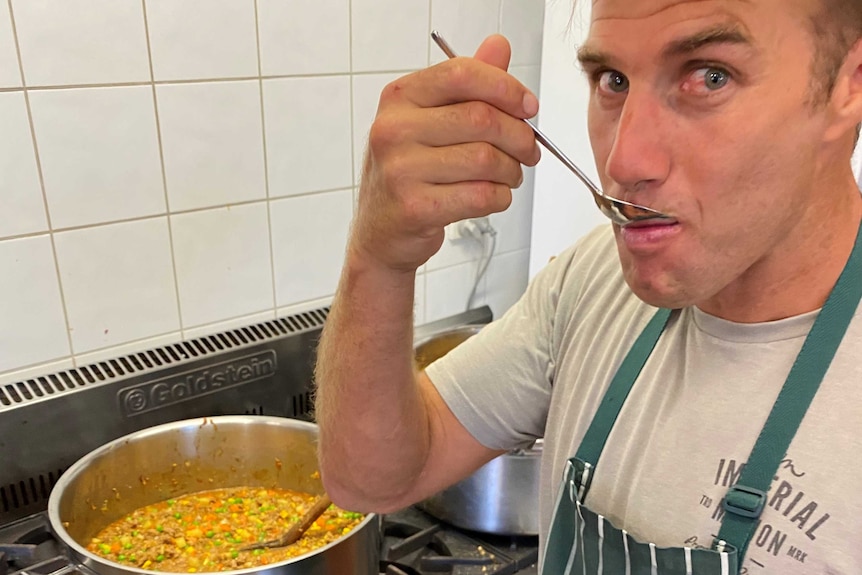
[[639, 155]]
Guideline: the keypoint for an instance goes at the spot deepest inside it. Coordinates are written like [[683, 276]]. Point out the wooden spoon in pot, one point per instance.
[[297, 529]]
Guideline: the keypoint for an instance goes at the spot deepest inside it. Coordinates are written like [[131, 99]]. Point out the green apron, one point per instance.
[[585, 543]]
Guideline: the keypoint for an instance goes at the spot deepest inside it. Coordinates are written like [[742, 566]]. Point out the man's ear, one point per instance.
[[846, 98]]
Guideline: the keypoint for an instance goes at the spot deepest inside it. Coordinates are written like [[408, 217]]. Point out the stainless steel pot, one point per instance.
[[194, 455], [501, 497]]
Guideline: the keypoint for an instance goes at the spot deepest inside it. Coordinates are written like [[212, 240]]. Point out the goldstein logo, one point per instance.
[[153, 395]]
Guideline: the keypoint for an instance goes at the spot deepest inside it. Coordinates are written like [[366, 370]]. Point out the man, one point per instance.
[[738, 119]]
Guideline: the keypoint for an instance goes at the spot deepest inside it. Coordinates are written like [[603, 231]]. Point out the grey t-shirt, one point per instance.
[[688, 425]]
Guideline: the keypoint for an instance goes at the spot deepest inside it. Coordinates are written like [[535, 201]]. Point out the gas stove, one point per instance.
[[48, 423]]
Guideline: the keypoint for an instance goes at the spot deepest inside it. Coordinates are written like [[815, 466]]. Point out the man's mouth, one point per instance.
[[651, 222]]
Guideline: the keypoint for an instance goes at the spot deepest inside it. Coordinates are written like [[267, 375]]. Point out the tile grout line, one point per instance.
[[354, 184], [41, 176], [428, 34], [265, 159], [177, 213], [167, 213], [206, 80]]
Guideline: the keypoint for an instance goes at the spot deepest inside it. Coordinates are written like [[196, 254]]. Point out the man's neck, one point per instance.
[[799, 274]]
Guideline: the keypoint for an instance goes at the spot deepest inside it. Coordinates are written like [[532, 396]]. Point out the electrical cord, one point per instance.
[[485, 229]]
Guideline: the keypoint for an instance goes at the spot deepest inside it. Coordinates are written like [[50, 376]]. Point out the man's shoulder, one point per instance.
[[590, 267]]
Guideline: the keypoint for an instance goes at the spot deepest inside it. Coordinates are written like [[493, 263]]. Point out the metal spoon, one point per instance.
[[298, 529], [618, 211]]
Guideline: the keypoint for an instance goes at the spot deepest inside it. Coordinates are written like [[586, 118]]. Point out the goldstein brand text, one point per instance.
[[153, 395]]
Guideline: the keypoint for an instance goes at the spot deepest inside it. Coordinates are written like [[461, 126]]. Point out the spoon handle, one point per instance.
[[297, 529], [542, 138]]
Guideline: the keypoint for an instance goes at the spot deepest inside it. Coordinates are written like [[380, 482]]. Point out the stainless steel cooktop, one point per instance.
[[48, 423]]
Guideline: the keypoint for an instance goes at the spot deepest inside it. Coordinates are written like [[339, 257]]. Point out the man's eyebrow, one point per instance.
[[720, 34], [588, 56]]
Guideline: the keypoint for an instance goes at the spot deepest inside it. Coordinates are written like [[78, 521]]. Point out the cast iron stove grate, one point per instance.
[[418, 544]]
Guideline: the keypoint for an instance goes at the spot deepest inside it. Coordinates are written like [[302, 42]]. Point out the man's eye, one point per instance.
[[613, 81], [708, 79]]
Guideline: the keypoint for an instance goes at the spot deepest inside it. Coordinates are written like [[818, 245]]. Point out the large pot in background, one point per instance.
[[502, 497], [183, 457]]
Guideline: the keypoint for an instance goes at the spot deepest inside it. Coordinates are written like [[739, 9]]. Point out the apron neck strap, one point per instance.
[[600, 428], [745, 501]]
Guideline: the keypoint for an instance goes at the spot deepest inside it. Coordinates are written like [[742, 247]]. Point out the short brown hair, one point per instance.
[[836, 27]]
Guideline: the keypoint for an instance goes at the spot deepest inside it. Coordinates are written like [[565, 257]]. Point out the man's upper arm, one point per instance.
[[453, 452]]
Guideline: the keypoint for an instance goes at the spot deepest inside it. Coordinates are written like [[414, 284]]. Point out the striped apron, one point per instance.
[[585, 543]]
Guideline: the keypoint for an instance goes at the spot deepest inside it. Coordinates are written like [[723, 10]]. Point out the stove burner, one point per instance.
[[413, 543], [413, 540], [424, 545], [388, 568]]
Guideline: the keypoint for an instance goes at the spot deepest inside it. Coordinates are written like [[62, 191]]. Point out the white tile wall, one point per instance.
[[309, 235], [291, 41], [118, 282], [389, 34], [22, 209], [10, 71], [196, 39], [216, 190], [223, 263], [522, 23], [81, 41], [307, 134], [212, 143], [304, 306], [99, 153], [233, 323], [447, 290], [33, 329], [463, 24], [505, 280]]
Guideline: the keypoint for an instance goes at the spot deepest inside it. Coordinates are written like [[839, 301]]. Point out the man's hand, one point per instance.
[[447, 144]]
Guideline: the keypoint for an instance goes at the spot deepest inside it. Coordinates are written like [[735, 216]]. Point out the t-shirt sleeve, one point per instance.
[[498, 382]]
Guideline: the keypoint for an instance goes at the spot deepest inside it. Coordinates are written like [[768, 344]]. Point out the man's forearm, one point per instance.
[[373, 424]]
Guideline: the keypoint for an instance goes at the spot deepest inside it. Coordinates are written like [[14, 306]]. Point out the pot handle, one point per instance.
[[536, 447]]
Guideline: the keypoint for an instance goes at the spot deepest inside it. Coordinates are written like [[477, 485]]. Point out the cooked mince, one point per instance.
[[203, 532]]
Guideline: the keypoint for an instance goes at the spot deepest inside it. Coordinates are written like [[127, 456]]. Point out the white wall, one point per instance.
[[173, 168], [563, 209]]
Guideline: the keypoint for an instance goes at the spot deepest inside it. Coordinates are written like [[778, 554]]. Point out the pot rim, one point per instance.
[[66, 478], [470, 327]]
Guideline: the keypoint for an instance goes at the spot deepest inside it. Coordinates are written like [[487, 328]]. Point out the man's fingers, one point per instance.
[[462, 80], [438, 205], [473, 161], [495, 50], [458, 124]]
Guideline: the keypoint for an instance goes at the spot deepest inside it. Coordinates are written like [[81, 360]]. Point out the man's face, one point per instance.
[[702, 109]]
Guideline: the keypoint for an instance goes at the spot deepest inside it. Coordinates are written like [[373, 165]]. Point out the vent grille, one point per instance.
[[303, 405], [33, 389], [27, 493]]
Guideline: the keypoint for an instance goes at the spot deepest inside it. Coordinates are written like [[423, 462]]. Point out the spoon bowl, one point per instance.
[[619, 212]]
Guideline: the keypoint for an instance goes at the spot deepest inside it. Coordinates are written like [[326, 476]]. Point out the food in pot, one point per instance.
[[203, 532]]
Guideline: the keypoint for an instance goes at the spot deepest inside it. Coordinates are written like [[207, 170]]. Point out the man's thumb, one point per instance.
[[495, 50]]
